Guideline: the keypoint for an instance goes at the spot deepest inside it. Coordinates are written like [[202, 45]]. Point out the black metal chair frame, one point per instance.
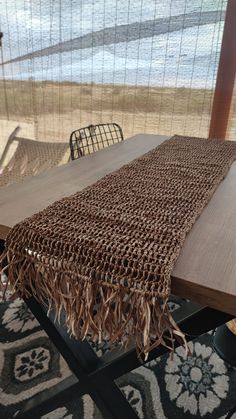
[[95, 375], [92, 138]]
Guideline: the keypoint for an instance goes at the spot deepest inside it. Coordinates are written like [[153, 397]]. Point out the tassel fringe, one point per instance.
[[98, 311]]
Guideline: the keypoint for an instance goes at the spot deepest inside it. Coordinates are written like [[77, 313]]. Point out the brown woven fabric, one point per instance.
[[106, 254]]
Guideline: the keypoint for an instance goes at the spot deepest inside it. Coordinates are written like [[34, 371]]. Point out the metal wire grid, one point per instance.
[[92, 138]]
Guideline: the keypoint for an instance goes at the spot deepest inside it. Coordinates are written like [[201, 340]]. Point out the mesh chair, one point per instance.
[[24, 157], [93, 138]]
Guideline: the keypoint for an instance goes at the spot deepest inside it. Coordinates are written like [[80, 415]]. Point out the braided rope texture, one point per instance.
[[105, 255]]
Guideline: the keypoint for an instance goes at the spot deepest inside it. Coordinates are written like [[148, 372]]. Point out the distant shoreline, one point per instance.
[[101, 85]]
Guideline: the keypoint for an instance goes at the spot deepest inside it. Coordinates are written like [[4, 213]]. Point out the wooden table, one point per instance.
[[206, 268], [205, 272]]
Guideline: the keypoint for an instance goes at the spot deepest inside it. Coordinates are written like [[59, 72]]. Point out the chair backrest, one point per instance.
[[29, 158], [93, 138]]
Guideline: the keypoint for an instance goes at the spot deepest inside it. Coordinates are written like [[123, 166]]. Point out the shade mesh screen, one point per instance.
[[148, 66], [231, 133]]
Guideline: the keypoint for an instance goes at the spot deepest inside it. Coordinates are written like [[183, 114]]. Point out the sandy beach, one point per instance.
[[55, 109]]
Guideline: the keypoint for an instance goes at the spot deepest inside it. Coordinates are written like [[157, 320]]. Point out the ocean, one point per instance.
[[155, 43]]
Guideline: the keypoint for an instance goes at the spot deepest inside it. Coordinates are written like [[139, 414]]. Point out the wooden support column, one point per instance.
[[225, 76], [4, 79]]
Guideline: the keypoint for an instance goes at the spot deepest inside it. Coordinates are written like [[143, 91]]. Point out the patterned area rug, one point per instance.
[[201, 386]]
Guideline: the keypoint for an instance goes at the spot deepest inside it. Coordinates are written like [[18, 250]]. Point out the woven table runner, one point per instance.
[[105, 255]]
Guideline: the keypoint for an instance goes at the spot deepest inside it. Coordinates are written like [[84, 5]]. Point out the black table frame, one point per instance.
[[95, 375]]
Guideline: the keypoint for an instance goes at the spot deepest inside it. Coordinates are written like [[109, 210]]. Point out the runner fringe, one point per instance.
[[102, 312]]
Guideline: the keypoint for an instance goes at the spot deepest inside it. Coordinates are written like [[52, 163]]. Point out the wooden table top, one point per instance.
[[206, 268]]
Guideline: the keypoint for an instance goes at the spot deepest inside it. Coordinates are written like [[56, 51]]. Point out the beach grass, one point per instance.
[[58, 108]]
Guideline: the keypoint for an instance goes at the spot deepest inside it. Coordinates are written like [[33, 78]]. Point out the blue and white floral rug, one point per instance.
[[201, 386]]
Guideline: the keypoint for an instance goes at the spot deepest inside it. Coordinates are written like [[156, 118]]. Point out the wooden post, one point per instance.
[[225, 76], [4, 79]]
